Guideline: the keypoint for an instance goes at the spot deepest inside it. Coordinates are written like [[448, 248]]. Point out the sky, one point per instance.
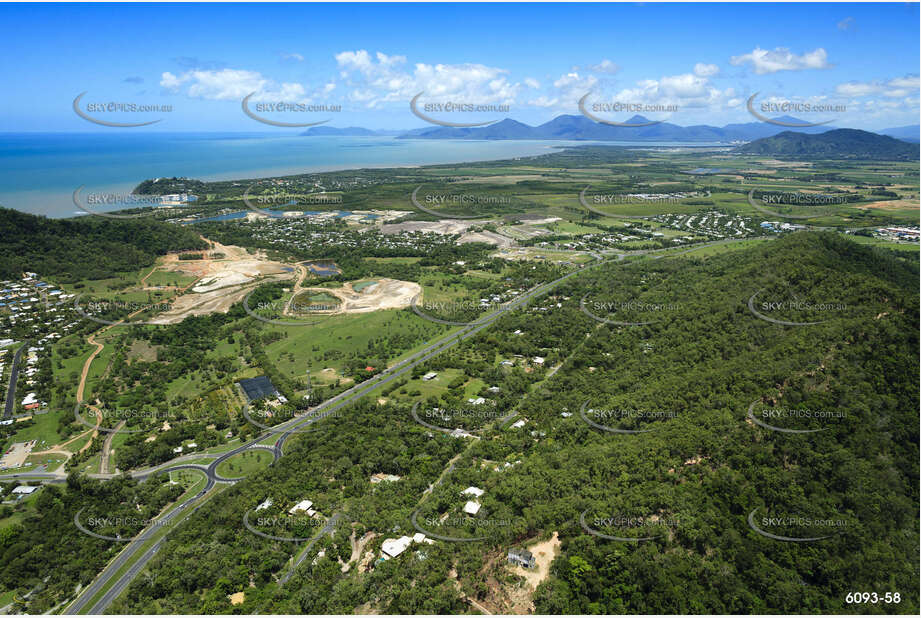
[[365, 63]]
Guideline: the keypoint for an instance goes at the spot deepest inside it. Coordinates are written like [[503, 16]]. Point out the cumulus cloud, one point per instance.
[[530, 82], [567, 90], [765, 61], [899, 87], [705, 70], [381, 78], [232, 84], [605, 66]]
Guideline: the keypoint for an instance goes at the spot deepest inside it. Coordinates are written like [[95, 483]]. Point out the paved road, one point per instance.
[[287, 429], [126, 556], [14, 375], [329, 527]]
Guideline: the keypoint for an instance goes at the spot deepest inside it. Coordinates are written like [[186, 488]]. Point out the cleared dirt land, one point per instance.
[[383, 294], [225, 276]]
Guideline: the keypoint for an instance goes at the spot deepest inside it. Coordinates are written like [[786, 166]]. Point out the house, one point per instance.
[[392, 548], [24, 490], [303, 505], [473, 491], [472, 507], [380, 477], [476, 402], [519, 424], [429, 376], [521, 557], [266, 504], [460, 433], [538, 360]]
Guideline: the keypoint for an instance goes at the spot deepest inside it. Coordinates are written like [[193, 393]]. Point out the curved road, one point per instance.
[[287, 429]]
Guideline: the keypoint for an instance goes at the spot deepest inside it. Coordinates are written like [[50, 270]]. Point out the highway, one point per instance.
[[125, 557], [287, 429]]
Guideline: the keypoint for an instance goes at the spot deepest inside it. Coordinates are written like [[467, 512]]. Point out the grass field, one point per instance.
[[341, 337], [245, 463]]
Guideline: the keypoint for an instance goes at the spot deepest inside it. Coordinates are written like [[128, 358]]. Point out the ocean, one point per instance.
[[39, 172]]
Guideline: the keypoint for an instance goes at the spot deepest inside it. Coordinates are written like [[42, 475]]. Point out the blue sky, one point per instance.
[[706, 60]]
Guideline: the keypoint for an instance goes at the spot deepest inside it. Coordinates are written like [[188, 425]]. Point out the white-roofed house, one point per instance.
[[472, 507], [392, 548], [303, 505]]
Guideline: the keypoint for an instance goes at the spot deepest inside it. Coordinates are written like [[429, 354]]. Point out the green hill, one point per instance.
[[695, 477], [836, 144], [86, 247]]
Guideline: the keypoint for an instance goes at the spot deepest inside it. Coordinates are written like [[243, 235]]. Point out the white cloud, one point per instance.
[[846, 24], [530, 82], [899, 87], [568, 89], [686, 90], [782, 59], [233, 84], [705, 70], [605, 66], [375, 80], [292, 56]]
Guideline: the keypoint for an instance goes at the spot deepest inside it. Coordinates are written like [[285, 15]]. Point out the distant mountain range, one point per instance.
[[835, 144], [908, 133], [358, 132], [569, 127]]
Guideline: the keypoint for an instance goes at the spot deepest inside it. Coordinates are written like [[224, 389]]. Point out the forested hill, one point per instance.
[[837, 144], [696, 476], [84, 248]]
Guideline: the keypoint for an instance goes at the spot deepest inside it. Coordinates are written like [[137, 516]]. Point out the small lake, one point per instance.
[[358, 287]]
